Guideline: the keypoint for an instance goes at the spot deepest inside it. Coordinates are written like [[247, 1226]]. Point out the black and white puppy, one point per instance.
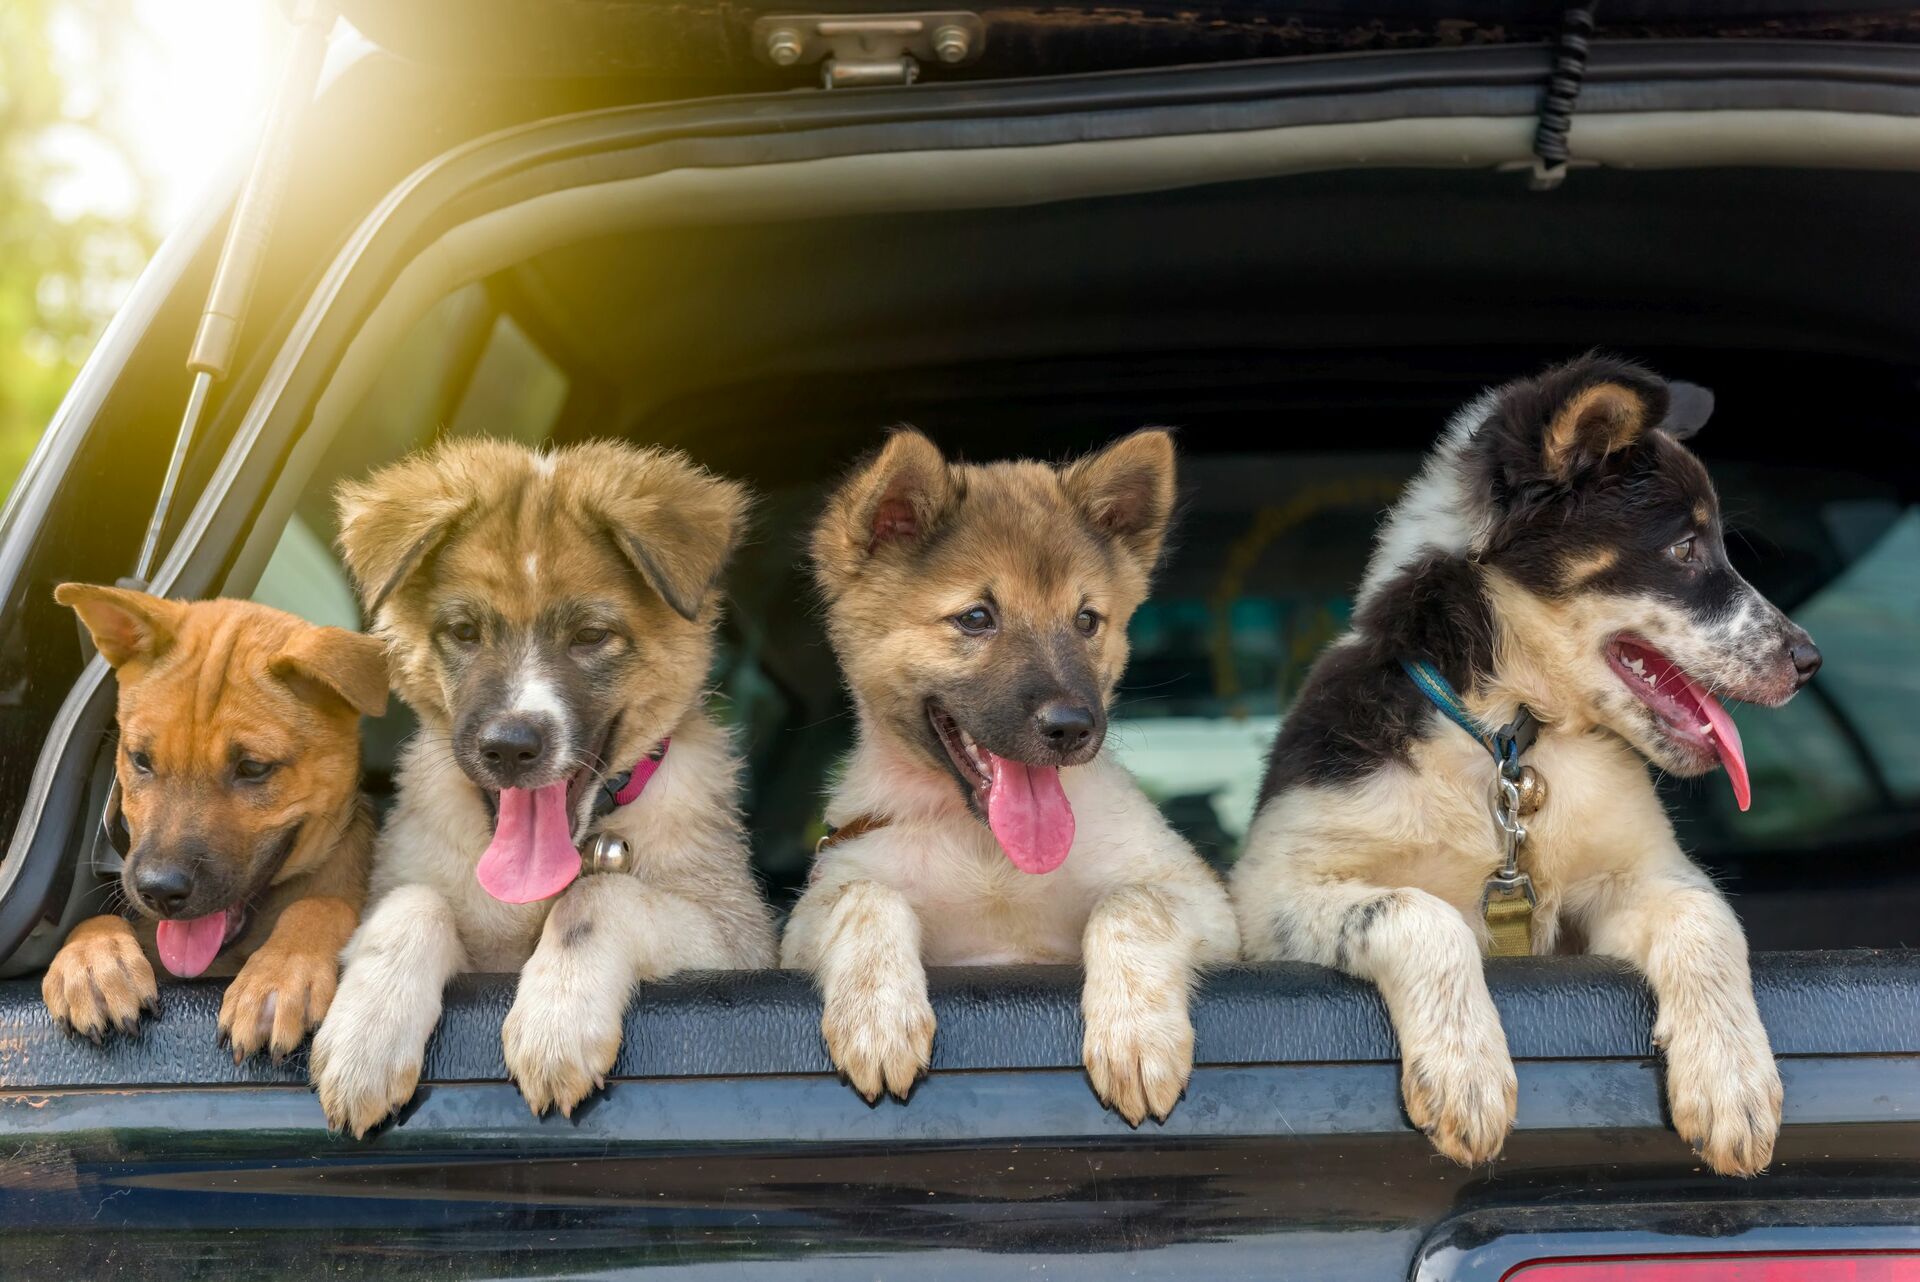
[[1561, 550]]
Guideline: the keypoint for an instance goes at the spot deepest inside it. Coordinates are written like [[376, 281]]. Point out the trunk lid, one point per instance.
[[765, 41]]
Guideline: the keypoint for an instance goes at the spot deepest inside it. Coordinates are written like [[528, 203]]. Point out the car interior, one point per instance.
[[1307, 338]]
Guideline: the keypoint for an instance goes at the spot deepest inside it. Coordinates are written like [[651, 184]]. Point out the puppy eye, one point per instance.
[[591, 638], [250, 771], [141, 762], [975, 621], [464, 632], [1088, 621], [1683, 551]]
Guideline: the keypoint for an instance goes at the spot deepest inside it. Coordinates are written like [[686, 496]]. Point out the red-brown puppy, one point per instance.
[[239, 769]]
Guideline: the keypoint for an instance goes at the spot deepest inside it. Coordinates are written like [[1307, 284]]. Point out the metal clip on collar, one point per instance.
[[1506, 813], [1507, 901]]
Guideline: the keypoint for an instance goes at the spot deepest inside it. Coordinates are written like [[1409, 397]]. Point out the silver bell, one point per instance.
[[606, 853]]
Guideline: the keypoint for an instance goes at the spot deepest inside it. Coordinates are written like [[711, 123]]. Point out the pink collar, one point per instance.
[[616, 792]]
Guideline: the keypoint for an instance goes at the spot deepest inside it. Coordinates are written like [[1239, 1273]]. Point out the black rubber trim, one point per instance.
[[768, 1022], [38, 889]]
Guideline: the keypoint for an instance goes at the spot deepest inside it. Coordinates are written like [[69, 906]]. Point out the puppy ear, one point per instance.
[[1599, 420], [1126, 491], [1689, 406], [125, 624], [677, 525], [335, 668], [895, 500], [393, 521]]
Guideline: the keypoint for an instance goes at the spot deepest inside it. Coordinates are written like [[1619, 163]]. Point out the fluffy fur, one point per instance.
[[1556, 515], [575, 591], [1060, 558], [210, 692]]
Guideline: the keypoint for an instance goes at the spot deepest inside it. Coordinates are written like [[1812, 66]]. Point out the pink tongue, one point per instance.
[[1029, 814], [531, 856], [189, 947], [1726, 742]]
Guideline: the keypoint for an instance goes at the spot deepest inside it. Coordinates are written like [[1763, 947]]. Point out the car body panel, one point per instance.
[[724, 1144]]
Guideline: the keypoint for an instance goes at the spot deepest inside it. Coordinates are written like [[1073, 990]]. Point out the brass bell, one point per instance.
[[607, 853], [1532, 787]]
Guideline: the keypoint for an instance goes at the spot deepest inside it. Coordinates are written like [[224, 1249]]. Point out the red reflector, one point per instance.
[[1796, 1266]]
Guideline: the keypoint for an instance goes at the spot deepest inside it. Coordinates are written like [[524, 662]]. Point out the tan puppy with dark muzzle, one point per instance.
[[551, 620], [239, 771], [980, 614]]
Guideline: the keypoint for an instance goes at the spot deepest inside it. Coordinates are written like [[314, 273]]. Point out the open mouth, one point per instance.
[[1026, 807], [532, 855], [188, 945], [1690, 716]]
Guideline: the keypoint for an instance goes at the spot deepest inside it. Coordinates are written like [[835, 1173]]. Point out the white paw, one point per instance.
[[1138, 1059], [1459, 1086], [1723, 1089], [365, 1064], [560, 1049], [879, 1033]]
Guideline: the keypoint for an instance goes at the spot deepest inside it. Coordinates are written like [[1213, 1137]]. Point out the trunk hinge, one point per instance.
[[241, 256], [1563, 89], [883, 49]]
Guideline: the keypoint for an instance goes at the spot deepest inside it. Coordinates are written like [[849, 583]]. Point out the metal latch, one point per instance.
[[883, 49]]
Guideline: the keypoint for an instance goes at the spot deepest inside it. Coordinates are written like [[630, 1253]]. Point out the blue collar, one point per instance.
[[1506, 744]]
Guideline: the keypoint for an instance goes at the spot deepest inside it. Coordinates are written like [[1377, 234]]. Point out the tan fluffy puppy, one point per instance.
[[239, 771], [980, 614], [550, 618]]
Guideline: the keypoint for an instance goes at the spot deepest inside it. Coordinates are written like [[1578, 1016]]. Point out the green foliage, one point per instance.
[[61, 273]]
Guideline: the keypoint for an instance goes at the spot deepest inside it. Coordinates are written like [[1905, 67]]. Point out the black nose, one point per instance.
[[1806, 660], [165, 887], [1065, 726], [512, 746]]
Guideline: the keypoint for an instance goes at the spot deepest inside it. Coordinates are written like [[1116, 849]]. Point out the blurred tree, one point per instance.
[[62, 272]]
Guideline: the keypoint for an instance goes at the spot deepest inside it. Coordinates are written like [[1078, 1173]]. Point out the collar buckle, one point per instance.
[[1508, 898]]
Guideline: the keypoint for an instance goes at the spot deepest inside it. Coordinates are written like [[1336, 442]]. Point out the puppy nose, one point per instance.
[[1806, 659], [1065, 726], [512, 746], [165, 887]]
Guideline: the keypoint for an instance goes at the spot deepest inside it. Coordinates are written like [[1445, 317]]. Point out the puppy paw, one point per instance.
[[879, 1034], [559, 1052], [1139, 1062], [1463, 1096], [364, 1066], [100, 980], [279, 997], [1723, 1089]]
